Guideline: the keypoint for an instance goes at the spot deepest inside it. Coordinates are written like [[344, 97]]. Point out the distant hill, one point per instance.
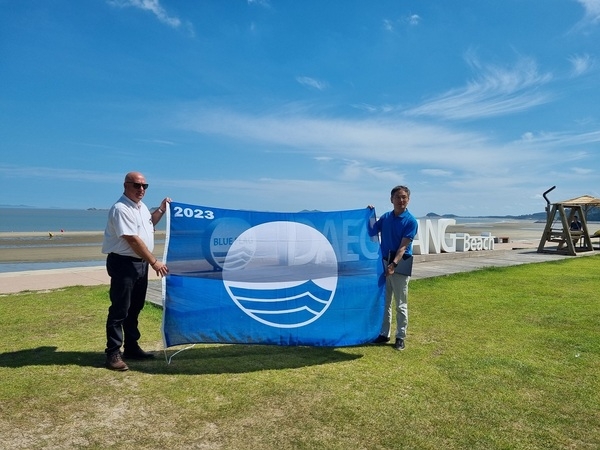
[[534, 216], [444, 216], [593, 215]]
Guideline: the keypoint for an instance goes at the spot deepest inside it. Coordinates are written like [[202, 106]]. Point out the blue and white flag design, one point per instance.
[[249, 277]]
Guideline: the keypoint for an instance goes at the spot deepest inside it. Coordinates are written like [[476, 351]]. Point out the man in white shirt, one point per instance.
[[128, 243]]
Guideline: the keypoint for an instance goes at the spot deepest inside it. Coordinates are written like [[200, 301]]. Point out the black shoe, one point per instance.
[[381, 339], [137, 353], [115, 362], [399, 345]]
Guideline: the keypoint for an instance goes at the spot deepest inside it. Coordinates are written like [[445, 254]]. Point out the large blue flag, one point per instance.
[[249, 277]]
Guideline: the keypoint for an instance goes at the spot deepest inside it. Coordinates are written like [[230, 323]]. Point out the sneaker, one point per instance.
[[115, 362], [399, 345], [137, 353], [381, 339]]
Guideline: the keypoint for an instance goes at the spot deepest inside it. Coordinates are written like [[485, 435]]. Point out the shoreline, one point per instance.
[[32, 250], [64, 247]]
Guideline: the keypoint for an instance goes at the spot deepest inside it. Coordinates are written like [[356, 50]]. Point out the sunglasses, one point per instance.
[[138, 185]]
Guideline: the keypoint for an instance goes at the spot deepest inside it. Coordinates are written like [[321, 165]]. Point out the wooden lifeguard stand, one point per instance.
[[558, 225]]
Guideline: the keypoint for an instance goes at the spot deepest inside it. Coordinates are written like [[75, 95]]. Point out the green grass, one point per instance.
[[496, 359]]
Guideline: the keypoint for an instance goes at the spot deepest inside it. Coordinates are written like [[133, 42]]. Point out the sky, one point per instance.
[[478, 107]]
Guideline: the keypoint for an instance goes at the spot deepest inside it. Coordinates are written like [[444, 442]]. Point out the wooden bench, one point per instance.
[[561, 236]]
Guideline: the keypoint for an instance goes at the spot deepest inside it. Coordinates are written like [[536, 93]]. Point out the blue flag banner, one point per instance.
[[249, 277]]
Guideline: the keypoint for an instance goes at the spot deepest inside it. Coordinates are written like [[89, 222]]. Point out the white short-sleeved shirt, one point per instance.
[[127, 218]]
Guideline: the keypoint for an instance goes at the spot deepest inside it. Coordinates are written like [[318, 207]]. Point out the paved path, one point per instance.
[[425, 266]]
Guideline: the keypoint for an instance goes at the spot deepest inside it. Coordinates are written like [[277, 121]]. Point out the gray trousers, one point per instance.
[[396, 288]]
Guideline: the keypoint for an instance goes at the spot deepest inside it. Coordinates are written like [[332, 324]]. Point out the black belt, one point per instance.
[[130, 258]]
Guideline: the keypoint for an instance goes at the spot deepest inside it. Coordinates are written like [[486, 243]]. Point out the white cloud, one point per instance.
[[152, 6], [436, 172], [496, 91], [582, 171], [580, 64], [592, 10], [560, 139], [375, 109], [395, 142], [439, 162], [413, 19], [263, 3], [157, 141], [527, 136], [366, 107], [312, 83], [355, 171]]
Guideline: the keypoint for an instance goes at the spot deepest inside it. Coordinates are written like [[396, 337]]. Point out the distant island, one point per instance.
[[593, 215], [534, 216]]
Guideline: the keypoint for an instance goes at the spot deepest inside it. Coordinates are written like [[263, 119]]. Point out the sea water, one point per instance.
[[55, 220]]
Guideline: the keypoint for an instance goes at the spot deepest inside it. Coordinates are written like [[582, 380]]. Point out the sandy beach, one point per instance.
[[34, 247], [517, 232], [18, 247]]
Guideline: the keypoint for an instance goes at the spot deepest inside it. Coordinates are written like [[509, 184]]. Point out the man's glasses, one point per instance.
[[138, 185]]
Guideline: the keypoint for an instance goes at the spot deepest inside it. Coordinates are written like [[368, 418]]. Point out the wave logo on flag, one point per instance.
[[223, 234], [302, 273]]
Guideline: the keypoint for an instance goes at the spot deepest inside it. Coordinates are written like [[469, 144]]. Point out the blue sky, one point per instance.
[[285, 105]]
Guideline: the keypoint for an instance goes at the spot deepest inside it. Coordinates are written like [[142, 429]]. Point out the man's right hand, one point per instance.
[[160, 268]]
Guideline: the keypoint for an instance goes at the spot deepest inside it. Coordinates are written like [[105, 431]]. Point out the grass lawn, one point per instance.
[[496, 359]]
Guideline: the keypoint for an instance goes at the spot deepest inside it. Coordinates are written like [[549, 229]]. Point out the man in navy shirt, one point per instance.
[[397, 229]]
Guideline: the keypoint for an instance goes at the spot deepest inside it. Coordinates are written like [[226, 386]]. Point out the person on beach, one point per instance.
[[397, 229], [575, 224], [128, 243]]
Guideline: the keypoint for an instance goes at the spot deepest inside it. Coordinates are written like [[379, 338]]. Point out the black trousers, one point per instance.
[[128, 286]]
